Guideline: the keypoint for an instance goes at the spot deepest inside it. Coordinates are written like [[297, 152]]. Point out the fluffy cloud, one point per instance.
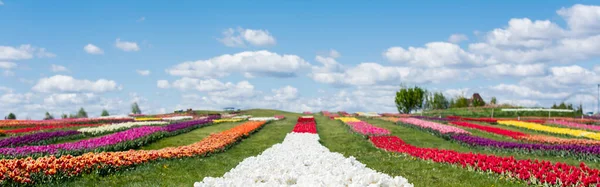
[[143, 72], [255, 63], [92, 49], [126, 46], [582, 18], [434, 54], [215, 87], [525, 33], [163, 84], [563, 77], [526, 92], [63, 83], [457, 38], [1, 3], [70, 99], [7, 65], [239, 37], [23, 52], [58, 68], [519, 70], [284, 94]]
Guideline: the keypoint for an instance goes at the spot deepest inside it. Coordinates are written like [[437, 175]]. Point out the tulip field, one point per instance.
[[277, 148]]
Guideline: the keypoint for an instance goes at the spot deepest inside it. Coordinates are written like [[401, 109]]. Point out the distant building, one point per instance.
[[475, 96]]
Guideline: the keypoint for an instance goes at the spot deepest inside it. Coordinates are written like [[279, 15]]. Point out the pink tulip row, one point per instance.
[[444, 129], [575, 125], [367, 129]]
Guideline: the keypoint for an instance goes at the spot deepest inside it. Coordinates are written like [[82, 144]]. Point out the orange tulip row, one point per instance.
[[29, 171]]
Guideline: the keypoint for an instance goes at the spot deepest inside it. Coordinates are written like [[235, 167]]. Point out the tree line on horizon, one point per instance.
[[81, 113]]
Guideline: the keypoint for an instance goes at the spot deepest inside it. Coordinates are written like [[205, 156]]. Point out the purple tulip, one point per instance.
[[484, 142], [34, 138]]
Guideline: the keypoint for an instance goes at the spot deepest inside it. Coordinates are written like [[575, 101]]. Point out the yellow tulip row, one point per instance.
[[148, 119], [555, 130], [228, 120], [347, 119]]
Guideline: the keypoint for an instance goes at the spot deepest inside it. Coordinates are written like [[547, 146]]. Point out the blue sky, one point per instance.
[[295, 56]]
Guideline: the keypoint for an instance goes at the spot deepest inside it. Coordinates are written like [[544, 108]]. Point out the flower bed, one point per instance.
[[305, 125], [494, 130], [177, 118], [432, 126], [301, 161], [575, 125], [263, 119], [534, 172], [37, 138], [48, 127], [55, 122], [45, 169], [228, 120], [94, 131], [113, 142], [555, 130], [148, 119], [363, 128]]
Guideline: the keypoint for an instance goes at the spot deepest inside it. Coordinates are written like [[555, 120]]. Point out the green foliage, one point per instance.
[[11, 116], [436, 101], [478, 102], [409, 99], [64, 116], [135, 109], [461, 102], [493, 101], [563, 105], [48, 116], [81, 113], [104, 113]]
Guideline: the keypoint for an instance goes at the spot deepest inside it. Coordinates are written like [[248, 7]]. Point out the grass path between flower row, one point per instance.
[[423, 139], [338, 138], [184, 172]]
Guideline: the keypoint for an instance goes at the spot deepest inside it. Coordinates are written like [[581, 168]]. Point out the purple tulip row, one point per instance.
[[35, 138], [102, 141], [545, 148], [433, 118]]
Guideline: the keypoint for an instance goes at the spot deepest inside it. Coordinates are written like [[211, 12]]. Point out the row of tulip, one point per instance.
[[300, 160], [263, 119], [575, 125], [554, 130], [368, 114], [542, 173], [224, 120], [433, 118], [40, 138], [148, 119], [94, 131], [578, 151], [47, 127], [55, 122], [329, 114], [432, 126], [113, 142], [487, 120], [363, 128], [177, 118], [305, 124], [242, 117], [526, 137], [14, 172]]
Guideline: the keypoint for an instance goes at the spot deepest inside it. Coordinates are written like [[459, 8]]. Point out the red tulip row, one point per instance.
[[48, 127], [535, 172], [305, 125]]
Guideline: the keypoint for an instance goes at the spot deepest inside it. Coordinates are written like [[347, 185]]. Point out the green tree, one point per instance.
[[554, 106], [104, 113], [81, 113], [64, 116], [579, 109], [437, 101], [478, 102], [451, 104], [562, 106], [493, 101], [461, 102], [11, 116], [409, 99], [48, 116], [135, 109]]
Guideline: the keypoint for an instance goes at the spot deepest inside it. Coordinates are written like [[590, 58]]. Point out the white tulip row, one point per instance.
[[177, 118], [118, 127], [301, 161], [242, 117], [262, 119]]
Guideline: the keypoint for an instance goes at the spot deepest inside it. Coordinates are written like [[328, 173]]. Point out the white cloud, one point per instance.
[[334, 54], [63, 83], [15, 99], [1, 3], [283, 94], [525, 33], [563, 77], [519, 70], [58, 68], [457, 38], [520, 102], [257, 63], [434, 54], [526, 92], [70, 99], [126, 46], [163, 84], [143, 72], [582, 18], [23, 52], [92, 49], [141, 19], [7, 65], [215, 87], [239, 37], [457, 92], [597, 69]]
